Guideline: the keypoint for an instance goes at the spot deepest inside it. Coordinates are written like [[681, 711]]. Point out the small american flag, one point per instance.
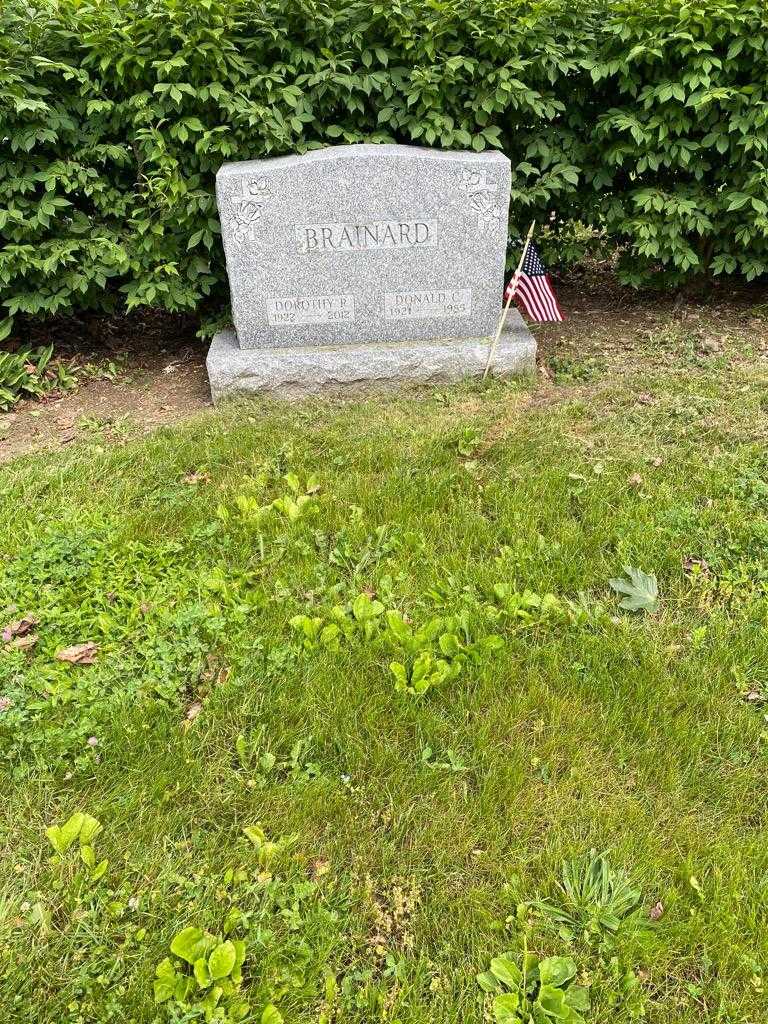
[[533, 289]]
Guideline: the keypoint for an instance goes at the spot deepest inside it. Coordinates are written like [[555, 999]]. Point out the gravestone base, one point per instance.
[[335, 370]]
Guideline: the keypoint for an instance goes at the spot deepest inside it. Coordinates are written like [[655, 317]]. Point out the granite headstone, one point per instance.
[[365, 263]]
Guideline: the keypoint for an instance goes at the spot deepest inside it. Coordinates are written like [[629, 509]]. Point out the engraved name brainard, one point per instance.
[[380, 234]]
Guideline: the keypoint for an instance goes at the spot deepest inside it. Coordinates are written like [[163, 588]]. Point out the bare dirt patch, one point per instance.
[[132, 375], [135, 373]]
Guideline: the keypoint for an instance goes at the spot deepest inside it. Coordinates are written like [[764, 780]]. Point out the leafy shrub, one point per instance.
[[435, 652], [645, 119], [680, 126], [84, 828]]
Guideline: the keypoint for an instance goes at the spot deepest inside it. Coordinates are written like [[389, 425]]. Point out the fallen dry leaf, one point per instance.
[[214, 672], [23, 643], [318, 867], [754, 697], [656, 911], [79, 654], [19, 628], [194, 710]]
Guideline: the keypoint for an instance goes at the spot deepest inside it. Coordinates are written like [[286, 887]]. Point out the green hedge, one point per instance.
[[646, 118]]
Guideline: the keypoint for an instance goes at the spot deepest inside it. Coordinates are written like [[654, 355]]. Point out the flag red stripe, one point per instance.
[[550, 296], [554, 299], [552, 302], [535, 305], [546, 293], [528, 297], [537, 297], [526, 301], [541, 299]]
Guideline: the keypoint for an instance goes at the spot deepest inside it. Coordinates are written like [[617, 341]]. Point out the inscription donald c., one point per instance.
[[434, 304]]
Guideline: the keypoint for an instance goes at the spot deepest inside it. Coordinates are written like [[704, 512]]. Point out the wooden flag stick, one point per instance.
[[512, 290]]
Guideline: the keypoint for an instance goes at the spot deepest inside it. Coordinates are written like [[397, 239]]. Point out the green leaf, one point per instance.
[[89, 829], [202, 974], [363, 608], [165, 981], [486, 981], [255, 834], [185, 986], [62, 837], [163, 990], [552, 1001], [578, 998], [222, 960], [100, 870], [640, 591], [190, 944], [271, 1015], [557, 970], [493, 642], [506, 970], [505, 1008], [401, 676], [240, 949], [450, 647], [399, 627]]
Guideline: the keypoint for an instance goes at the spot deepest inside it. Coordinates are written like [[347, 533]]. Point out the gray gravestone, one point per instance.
[[358, 264]]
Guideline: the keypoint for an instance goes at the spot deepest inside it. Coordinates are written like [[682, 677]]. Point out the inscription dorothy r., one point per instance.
[[310, 309]]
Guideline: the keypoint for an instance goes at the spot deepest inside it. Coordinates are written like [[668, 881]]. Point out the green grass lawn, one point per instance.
[[404, 838]]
